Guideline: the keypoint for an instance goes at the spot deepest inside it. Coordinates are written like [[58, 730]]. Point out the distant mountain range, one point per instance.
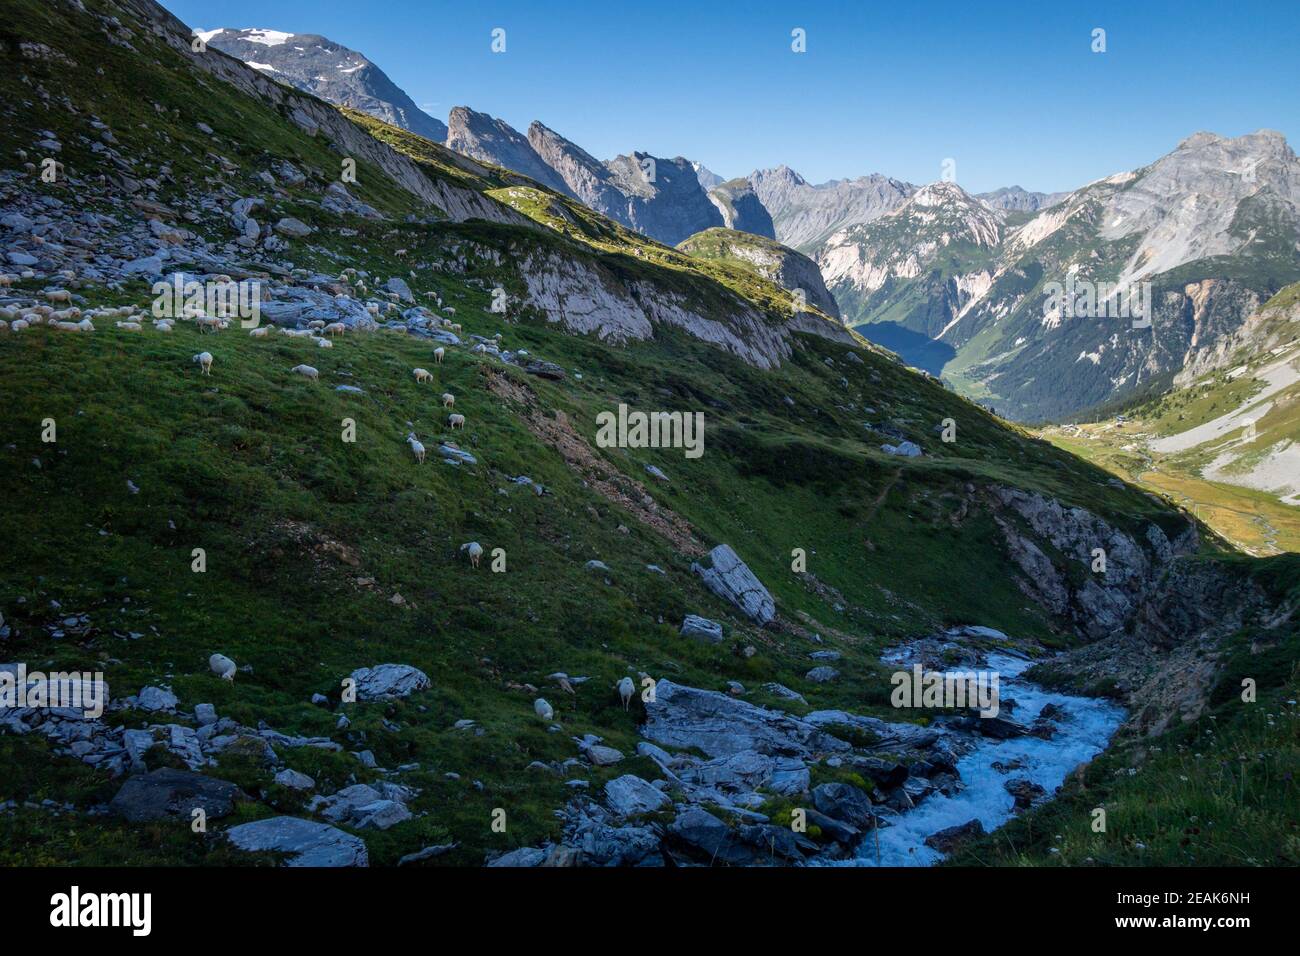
[[955, 283]]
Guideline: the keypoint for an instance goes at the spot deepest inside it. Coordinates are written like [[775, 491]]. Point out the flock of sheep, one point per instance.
[[129, 319]]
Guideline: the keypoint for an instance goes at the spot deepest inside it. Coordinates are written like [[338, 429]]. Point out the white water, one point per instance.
[[1082, 732]]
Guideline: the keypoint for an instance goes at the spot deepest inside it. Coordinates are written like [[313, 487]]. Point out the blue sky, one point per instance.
[[1011, 91]]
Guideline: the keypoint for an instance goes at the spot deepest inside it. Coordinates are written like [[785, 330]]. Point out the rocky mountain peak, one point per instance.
[[491, 140], [330, 70]]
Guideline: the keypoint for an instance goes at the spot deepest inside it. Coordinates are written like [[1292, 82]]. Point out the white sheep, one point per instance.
[[372, 308], [456, 421], [324, 343], [58, 295], [316, 324], [222, 666], [306, 371], [475, 552], [129, 326], [260, 332], [416, 447], [423, 375], [211, 323], [448, 400], [439, 354], [6, 279], [335, 328], [450, 311], [161, 325], [626, 690], [204, 360], [543, 710], [86, 325], [455, 327], [19, 325]]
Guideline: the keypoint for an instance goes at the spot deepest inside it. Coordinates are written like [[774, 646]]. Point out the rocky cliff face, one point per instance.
[[329, 70], [741, 208], [585, 299], [491, 140], [1154, 617], [901, 265], [803, 213], [660, 198], [779, 264]]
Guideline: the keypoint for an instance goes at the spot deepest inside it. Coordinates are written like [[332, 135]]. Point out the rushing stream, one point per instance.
[[1082, 733]]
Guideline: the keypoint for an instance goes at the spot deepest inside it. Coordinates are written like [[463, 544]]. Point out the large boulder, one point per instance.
[[174, 793], [729, 577], [604, 845], [945, 841], [304, 842], [365, 806], [708, 838], [746, 772], [720, 725], [525, 856], [844, 802], [385, 681], [630, 796], [701, 629]]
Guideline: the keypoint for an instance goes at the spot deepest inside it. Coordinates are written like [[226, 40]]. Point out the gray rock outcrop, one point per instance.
[[731, 579]]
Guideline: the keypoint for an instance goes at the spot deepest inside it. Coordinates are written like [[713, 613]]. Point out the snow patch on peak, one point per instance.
[[266, 37]]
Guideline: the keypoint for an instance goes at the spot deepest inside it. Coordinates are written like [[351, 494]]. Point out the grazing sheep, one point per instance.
[[439, 354], [210, 322], [6, 279], [543, 710], [324, 343], [161, 325], [316, 324], [306, 371], [260, 332], [456, 421], [455, 327], [448, 399], [475, 552], [58, 295], [416, 447], [88, 326], [19, 325], [423, 375], [372, 308], [204, 360], [450, 311], [335, 328], [222, 666], [129, 326], [626, 691]]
